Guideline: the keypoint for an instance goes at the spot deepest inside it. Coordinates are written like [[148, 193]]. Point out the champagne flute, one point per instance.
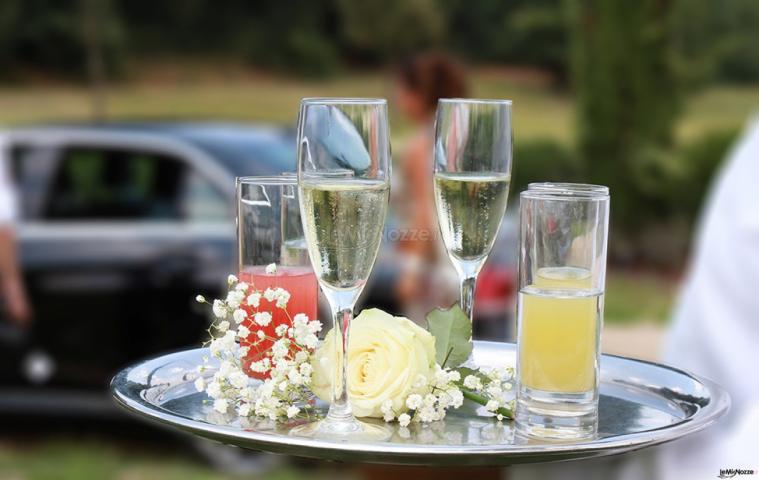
[[344, 183], [471, 182]]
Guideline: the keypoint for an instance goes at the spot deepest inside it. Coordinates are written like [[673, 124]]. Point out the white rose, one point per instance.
[[386, 357]]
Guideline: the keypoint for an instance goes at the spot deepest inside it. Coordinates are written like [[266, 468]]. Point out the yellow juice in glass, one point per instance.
[[559, 331]]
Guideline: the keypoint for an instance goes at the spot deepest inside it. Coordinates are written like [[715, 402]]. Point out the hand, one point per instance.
[[17, 304]]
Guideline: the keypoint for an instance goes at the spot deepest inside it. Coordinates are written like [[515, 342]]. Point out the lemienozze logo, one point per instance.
[[732, 472]]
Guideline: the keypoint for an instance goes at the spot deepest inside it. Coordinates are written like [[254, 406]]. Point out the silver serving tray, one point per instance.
[[642, 404]]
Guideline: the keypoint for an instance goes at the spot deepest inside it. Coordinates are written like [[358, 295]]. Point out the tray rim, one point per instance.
[[491, 454]]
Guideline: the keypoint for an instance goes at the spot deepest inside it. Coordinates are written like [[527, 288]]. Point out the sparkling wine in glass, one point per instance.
[[471, 182], [344, 184], [269, 230]]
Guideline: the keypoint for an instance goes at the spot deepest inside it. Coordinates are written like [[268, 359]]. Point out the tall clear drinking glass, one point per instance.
[[344, 183], [562, 271], [471, 182], [269, 231]]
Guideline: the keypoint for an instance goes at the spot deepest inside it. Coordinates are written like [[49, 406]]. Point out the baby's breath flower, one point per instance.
[[426, 414], [271, 269], [262, 318], [387, 410], [223, 326], [311, 341], [283, 296], [228, 340], [494, 389], [225, 369], [238, 379], [216, 347], [292, 411], [244, 409], [472, 382], [219, 309], [234, 298], [270, 294], [239, 315], [254, 299], [300, 320], [294, 376], [457, 398], [281, 330], [492, 405], [200, 299], [213, 389], [243, 331], [200, 384], [242, 286], [231, 280], [280, 348], [404, 419], [221, 405], [414, 401], [306, 369]]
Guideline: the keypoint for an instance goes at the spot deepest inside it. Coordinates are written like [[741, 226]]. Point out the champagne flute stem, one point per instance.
[[467, 296], [468, 284], [340, 408]]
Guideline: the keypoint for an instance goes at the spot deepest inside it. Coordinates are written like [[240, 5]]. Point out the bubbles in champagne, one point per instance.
[[470, 207], [343, 222]]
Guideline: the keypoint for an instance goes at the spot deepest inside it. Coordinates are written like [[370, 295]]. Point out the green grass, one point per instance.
[[539, 111], [638, 297], [73, 460]]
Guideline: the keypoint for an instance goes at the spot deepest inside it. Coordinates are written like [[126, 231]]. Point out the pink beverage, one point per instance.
[[300, 282]]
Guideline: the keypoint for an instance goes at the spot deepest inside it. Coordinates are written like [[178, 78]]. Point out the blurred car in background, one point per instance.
[[121, 226]]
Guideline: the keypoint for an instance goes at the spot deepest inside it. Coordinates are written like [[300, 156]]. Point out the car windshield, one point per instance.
[[245, 150]]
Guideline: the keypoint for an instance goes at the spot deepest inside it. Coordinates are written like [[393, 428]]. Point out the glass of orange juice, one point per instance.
[[562, 271]]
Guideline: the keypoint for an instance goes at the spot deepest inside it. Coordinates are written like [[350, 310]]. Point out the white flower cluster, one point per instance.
[[266, 370], [282, 361], [432, 398], [429, 400], [489, 388]]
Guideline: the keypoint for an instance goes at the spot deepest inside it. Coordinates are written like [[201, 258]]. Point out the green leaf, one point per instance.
[[453, 335]]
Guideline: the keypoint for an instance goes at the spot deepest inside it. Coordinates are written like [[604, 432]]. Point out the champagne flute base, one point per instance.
[[348, 430]]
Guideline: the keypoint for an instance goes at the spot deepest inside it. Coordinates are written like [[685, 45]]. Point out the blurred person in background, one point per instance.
[[715, 329], [12, 292], [425, 281]]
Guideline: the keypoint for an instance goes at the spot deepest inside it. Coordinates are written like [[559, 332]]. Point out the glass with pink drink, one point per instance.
[[269, 231]]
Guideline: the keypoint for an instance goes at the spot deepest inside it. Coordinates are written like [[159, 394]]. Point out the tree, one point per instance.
[[627, 101], [386, 29]]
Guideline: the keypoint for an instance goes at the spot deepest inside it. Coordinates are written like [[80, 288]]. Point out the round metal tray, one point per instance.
[[641, 404]]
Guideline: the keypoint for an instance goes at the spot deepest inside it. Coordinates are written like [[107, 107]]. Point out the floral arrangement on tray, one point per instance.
[[398, 370]]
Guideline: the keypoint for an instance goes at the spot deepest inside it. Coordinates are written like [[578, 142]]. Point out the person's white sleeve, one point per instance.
[[7, 194]]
